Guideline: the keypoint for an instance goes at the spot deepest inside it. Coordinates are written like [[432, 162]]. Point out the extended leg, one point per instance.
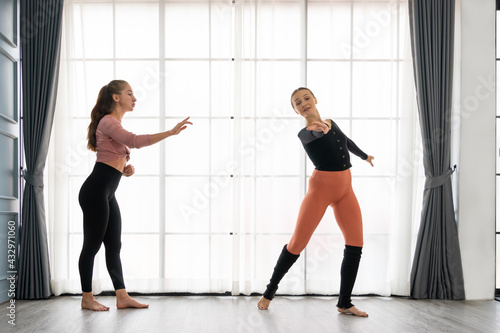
[[311, 211], [285, 261]]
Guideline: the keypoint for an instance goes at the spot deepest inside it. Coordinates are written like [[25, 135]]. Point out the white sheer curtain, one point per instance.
[[210, 210]]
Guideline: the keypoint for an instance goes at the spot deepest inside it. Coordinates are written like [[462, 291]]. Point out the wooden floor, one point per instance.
[[240, 314]]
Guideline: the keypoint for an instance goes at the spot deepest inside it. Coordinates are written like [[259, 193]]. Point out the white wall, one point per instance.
[[476, 196]]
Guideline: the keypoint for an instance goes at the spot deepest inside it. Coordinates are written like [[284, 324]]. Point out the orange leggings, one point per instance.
[[328, 188]]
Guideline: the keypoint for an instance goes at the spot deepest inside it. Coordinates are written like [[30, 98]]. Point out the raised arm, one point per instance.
[[113, 128], [174, 131]]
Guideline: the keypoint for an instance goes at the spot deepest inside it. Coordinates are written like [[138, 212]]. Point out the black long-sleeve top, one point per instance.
[[330, 151]]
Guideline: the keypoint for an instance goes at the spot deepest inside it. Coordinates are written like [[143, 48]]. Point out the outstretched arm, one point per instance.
[[174, 131], [129, 169]]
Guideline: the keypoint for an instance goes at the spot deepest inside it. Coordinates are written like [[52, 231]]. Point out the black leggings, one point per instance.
[[101, 224]]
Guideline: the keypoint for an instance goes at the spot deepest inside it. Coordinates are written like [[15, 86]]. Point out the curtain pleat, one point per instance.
[[40, 47], [437, 268]]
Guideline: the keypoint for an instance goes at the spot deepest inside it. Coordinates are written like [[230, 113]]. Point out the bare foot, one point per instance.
[[90, 303], [263, 303], [130, 303], [123, 300], [353, 310]]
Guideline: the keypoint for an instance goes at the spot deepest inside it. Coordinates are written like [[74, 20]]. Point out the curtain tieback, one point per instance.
[[433, 182], [32, 179]]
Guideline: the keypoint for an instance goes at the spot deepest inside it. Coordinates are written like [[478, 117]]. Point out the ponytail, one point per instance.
[[103, 106]]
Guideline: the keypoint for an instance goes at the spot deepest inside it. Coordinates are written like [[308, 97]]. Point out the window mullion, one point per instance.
[[162, 175], [210, 138], [303, 80]]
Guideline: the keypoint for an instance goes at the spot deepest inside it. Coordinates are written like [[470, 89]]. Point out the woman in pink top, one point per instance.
[[101, 214]]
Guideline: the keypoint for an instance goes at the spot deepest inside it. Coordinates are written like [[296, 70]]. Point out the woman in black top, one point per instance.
[[329, 185]]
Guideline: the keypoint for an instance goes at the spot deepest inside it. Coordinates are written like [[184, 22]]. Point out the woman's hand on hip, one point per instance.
[[129, 170]]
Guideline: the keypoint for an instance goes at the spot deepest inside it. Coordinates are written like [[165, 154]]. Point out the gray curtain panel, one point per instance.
[[437, 266], [40, 47]]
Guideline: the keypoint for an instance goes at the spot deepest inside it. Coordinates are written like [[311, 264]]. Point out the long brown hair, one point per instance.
[[297, 90], [103, 106]]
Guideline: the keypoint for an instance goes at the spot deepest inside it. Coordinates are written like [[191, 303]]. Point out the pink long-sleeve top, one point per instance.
[[113, 141]]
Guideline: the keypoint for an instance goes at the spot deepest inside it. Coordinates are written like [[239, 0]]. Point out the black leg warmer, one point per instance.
[[348, 272], [285, 261]]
